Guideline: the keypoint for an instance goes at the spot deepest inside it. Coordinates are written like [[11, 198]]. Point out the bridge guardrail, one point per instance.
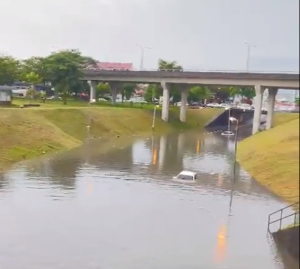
[[199, 70]]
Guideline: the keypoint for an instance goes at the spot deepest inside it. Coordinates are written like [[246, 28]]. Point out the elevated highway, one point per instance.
[[259, 80], [278, 80]]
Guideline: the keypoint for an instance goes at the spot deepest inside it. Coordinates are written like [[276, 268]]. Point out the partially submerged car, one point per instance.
[[186, 176]]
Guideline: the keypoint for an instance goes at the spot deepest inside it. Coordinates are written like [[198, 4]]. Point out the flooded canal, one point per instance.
[[122, 210]]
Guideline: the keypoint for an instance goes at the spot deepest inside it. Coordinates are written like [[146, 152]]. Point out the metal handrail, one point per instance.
[[282, 217], [200, 70]]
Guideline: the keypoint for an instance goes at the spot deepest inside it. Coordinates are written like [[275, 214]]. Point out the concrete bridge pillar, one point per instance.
[[271, 104], [166, 101], [184, 95], [115, 88], [259, 90], [93, 88]]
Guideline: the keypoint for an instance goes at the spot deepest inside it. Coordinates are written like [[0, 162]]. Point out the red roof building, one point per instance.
[[110, 66]]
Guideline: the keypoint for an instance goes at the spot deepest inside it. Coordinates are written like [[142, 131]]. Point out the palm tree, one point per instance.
[[88, 62], [164, 65]]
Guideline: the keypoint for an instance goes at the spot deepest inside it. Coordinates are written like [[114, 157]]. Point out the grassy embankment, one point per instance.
[[272, 157], [31, 132]]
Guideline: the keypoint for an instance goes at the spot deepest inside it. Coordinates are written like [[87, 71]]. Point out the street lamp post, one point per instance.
[[248, 54], [142, 55], [228, 132], [232, 119], [154, 117]]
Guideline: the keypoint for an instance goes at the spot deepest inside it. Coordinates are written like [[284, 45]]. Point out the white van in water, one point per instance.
[[186, 176]]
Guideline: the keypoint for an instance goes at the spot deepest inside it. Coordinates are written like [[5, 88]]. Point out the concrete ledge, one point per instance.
[[289, 239]]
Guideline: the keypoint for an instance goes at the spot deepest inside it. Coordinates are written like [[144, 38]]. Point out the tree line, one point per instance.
[[63, 70]]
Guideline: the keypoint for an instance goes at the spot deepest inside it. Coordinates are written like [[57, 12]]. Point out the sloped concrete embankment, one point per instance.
[[245, 117]]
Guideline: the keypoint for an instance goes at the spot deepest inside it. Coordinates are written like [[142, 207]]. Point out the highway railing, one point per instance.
[[199, 70]]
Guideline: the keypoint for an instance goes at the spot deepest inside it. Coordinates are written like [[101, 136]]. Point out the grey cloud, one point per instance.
[[199, 34]]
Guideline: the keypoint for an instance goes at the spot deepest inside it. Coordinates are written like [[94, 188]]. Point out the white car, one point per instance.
[[226, 106], [213, 105], [186, 176], [245, 107], [138, 100]]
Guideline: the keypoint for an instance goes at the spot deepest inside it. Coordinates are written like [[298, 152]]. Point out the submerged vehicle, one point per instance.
[[186, 176]]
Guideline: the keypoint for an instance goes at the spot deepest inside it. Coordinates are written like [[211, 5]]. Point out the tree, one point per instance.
[[43, 96], [171, 66], [152, 91], [198, 93], [297, 101], [248, 92], [234, 91], [35, 65], [33, 79], [102, 88], [127, 90], [32, 94], [9, 70], [64, 71], [165, 65], [175, 93], [88, 62]]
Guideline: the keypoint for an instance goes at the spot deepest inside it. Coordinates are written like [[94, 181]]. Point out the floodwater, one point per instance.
[[121, 210]]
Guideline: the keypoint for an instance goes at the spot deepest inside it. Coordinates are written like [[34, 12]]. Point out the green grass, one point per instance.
[[30, 132], [272, 157], [17, 102], [281, 118]]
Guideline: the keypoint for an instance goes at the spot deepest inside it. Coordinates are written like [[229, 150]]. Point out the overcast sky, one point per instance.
[[199, 34]]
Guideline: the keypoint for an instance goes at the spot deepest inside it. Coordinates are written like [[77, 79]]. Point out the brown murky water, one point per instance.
[[122, 210]]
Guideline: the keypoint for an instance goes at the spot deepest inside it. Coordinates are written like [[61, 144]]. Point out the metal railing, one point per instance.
[[198, 70], [294, 215]]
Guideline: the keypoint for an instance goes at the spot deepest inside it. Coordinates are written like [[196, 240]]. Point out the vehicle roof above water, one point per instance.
[[188, 173]]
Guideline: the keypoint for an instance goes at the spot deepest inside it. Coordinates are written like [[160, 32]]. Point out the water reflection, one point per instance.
[[60, 172], [3, 181], [221, 246], [84, 209]]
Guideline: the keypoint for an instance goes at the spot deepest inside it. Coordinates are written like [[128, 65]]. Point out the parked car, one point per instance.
[[139, 100], [245, 107], [214, 105]]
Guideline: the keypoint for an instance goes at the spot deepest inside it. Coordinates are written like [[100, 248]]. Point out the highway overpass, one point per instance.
[[261, 81], [278, 80]]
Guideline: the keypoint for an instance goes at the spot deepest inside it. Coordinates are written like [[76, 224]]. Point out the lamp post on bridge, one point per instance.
[[142, 55], [248, 53]]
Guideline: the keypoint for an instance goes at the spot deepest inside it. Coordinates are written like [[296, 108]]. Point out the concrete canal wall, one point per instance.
[[289, 240], [245, 117]]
